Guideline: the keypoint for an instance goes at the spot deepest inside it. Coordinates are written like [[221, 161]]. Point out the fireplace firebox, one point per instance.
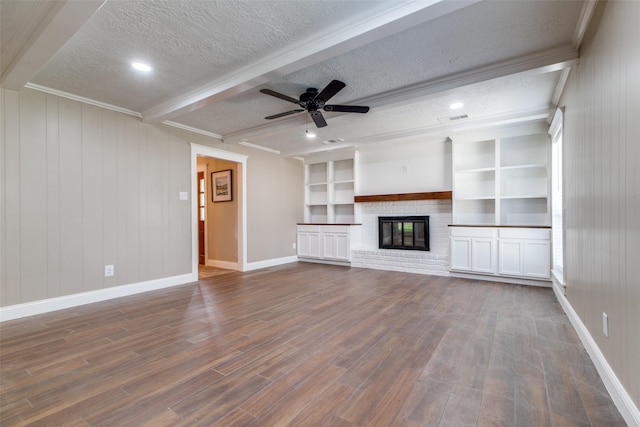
[[403, 232]]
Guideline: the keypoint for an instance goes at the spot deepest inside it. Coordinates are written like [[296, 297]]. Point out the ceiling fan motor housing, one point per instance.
[[312, 101], [309, 95]]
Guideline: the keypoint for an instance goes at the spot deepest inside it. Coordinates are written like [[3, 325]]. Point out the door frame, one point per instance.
[[241, 191]]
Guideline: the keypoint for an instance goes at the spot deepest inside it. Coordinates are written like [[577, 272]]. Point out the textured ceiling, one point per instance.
[[508, 95], [407, 64], [425, 52], [187, 41]]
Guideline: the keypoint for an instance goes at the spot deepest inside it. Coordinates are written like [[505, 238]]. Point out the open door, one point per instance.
[[201, 214]]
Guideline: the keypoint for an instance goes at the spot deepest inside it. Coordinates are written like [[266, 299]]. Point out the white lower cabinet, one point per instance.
[[525, 252], [473, 250], [332, 243], [511, 252], [336, 245], [511, 257], [483, 255], [309, 243], [461, 253], [537, 259]]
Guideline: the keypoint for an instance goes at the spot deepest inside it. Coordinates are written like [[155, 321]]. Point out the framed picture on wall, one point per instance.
[[222, 186]]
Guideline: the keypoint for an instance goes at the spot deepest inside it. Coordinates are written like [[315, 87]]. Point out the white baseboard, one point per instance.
[[270, 263], [227, 265], [59, 303], [324, 261], [502, 279], [621, 398]]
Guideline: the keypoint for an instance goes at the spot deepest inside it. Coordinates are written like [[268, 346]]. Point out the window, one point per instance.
[[556, 195]]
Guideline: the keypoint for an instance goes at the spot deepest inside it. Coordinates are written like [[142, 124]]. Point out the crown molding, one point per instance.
[[259, 147], [82, 99], [192, 129], [537, 118]]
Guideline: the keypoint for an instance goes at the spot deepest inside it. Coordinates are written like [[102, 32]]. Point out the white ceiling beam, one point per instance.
[[59, 24], [562, 81], [388, 19], [536, 63], [586, 14]]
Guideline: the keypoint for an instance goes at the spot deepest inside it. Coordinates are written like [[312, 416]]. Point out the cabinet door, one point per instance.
[[329, 245], [309, 244], [511, 257], [461, 253], [537, 258], [483, 255], [343, 251], [336, 246]]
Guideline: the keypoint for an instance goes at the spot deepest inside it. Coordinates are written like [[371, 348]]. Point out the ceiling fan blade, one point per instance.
[[332, 88], [279, 95], [318, 119], [286, 113], [346, 108]]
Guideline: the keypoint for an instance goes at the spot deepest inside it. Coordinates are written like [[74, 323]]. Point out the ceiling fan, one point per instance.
[[314, 101]]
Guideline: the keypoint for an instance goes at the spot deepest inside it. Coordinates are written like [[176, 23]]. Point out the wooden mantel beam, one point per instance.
[[435, 195]]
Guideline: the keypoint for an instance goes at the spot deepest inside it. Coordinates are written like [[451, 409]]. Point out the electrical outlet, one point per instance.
[[109, 270], [605, 324], [294, 245]]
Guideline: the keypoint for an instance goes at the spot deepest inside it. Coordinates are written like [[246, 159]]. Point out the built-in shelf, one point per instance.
[[435, 195], [502, 181], [329, 191]]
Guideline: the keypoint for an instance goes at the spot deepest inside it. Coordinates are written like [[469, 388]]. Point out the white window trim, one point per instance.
[[556, 132]]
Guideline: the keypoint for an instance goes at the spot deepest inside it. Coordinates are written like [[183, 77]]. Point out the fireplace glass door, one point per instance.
[[404, 232]]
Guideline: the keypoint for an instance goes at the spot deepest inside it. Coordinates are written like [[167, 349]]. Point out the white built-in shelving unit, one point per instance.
[[329, 192], [501, 207], [502, 181]]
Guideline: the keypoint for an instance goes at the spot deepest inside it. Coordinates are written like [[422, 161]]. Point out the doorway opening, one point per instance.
[[218, 227]]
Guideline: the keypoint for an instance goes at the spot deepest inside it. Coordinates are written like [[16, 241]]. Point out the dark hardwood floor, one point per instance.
[[305, 344]]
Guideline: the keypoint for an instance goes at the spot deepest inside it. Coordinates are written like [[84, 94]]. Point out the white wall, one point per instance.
[[275, 199], [411, 166], [602, 188]]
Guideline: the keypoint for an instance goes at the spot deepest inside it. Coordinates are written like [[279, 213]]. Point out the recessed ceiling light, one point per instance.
[[456, 105], [141, 66]]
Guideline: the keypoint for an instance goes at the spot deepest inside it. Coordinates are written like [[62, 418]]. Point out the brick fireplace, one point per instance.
[[435, 261]]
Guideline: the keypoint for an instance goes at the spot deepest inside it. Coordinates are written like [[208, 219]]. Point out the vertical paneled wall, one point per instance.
[[602, 188], [85, 187]]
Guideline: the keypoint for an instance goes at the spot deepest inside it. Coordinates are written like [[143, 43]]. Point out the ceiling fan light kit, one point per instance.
[[313, 101]]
